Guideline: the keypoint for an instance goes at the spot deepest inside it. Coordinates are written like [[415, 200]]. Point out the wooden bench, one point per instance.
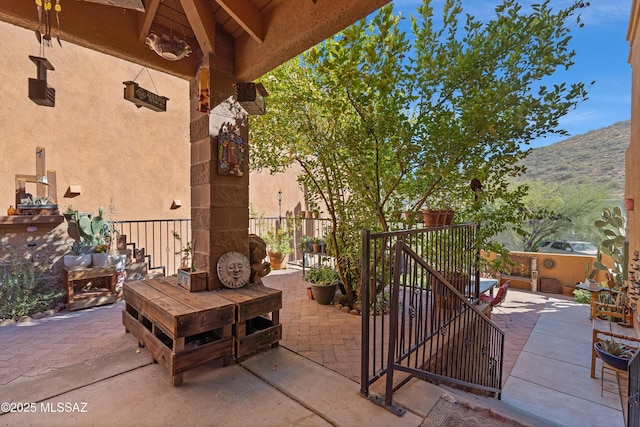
[[183, 329], [180, 329], [257, 320], [606, 329]]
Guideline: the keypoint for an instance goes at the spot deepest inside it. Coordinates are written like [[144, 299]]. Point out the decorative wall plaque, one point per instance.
[[231, 150], [233, 269]]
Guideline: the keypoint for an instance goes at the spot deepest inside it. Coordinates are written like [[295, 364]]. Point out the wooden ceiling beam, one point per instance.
[[202, 22], [247, 16], [146, 19]]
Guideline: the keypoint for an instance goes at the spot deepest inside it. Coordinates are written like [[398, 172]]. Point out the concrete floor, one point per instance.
[[86, 357]]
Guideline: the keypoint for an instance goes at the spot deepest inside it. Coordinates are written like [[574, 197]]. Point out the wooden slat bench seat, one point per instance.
[[183, 329], [180, 329]]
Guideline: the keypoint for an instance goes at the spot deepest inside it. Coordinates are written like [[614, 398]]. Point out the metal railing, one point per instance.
[[314, 227], [162, 251], [432, 329]]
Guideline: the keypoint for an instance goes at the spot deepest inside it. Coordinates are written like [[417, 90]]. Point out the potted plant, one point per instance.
[[317, 244], [278, 246], [324, 282], [306, 244], [188, 276], [78, 256], [100, 255], [614, 353]]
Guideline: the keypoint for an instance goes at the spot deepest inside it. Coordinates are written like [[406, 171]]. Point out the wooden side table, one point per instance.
[[81, 289]]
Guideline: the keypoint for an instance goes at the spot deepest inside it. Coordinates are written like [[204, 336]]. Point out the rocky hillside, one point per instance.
[[593, 158]]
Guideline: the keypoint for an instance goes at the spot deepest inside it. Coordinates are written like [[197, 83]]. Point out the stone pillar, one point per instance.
[[219, 203]]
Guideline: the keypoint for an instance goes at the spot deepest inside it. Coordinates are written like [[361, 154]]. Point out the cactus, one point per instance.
[[91, 231], [613, 227]]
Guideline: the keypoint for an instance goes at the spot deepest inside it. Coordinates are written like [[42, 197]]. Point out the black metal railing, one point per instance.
[[162, 251], [313, 227], [432, 330]]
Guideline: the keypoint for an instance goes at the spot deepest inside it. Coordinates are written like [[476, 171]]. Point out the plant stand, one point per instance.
[[82, 292]]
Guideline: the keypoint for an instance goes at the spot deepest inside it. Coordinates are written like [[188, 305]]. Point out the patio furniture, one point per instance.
[[498, 299], [183, 329], [81, 289], [606, 329]]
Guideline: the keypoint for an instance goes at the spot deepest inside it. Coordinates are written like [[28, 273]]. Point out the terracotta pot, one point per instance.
[[278, 261], [567, 291], [449, 214], [317, 248], [431, 217]]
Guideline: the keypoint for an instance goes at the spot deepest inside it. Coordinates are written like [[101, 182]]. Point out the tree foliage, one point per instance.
[[380, 121]]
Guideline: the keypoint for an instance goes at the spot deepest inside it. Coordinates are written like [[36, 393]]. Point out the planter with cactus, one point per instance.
[[614, 353]]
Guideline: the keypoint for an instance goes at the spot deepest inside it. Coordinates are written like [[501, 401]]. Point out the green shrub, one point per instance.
[[23, 292], [582, 296]]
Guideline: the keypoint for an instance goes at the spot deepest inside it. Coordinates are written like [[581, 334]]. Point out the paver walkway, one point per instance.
[[332, 338], [538, 381]]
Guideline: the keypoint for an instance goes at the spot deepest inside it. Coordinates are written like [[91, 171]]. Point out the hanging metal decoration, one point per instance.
[[252, 97], [39, 90], [170, 47], [44, 8], [204, 101]]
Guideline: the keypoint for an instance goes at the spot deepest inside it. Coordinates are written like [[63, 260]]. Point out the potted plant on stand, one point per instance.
[[100, 255], [188, 277], [78, 257], [324, 282]]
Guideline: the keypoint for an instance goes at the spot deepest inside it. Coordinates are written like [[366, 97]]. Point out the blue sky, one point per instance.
[[601, 55]]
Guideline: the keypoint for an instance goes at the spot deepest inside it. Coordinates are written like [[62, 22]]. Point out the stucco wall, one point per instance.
[[96, 139], [632, 160]]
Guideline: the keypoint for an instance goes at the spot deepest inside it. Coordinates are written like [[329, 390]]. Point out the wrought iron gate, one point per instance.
[[633, 402], [433, 329]]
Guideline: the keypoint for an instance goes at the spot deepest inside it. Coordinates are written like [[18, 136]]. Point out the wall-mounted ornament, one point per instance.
[[204, 101], [233, 269], [252, 97], [230, 151], [549, 263], [39, 91], [170, 47]]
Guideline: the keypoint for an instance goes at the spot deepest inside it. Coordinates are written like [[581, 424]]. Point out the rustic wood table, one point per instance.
[[183, 329]]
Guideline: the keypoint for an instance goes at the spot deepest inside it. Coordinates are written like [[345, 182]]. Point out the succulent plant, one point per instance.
[[91, 230]]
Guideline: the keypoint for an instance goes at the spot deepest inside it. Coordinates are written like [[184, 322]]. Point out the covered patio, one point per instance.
[[312, 379]]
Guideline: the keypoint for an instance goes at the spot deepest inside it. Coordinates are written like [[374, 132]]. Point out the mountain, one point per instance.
[[595, 158]]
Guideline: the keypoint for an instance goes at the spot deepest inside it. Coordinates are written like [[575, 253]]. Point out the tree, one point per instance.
[[378, 121], [555, 212]]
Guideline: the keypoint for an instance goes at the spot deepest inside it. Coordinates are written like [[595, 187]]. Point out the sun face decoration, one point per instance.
[[233, 269], [548, 263]]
